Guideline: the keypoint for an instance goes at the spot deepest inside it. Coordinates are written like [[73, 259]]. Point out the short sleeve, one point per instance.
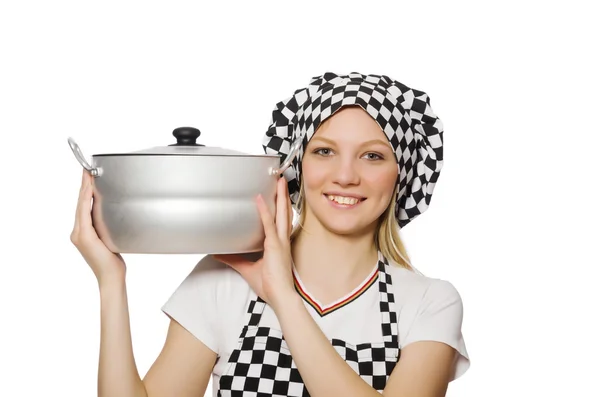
[[194, 303], [439, 318]]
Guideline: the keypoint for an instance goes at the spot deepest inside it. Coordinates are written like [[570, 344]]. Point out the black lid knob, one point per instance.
[[186, 136]]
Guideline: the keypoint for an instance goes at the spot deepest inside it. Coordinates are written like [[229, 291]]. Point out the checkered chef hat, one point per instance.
[[415, 133]]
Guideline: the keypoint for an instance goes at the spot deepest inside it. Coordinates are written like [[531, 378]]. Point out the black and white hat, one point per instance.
[[404, 114]]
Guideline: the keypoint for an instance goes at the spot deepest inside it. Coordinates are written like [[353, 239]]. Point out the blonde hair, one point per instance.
[[387, 235]]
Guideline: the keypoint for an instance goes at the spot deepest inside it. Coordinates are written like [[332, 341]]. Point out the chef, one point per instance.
[[332, 306]]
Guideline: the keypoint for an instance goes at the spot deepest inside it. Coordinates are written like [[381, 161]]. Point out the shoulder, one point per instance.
[[429, 309], [416, 288], [215, 282], [214, 275], [209, 297]]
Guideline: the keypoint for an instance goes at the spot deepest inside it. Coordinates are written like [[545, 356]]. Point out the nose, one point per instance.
[[346, 172]]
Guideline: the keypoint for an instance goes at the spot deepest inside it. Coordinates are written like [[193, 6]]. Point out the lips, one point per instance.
[[344, 199]]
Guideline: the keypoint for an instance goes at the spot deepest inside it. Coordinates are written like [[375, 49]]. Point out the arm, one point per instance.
[[117, 372], [182, 368], [423, 370], [185, 363]]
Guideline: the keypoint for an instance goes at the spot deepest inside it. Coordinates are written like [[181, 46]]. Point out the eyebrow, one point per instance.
[[367, 143], [375, 142]]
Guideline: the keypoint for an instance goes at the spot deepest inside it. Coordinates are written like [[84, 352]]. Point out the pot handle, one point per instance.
[[294, 150], [80, 157]]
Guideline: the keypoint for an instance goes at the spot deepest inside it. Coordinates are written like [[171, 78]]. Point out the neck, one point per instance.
[[320, 253]]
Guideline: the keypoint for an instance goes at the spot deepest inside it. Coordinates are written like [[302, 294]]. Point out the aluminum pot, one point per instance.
[[184, 198]]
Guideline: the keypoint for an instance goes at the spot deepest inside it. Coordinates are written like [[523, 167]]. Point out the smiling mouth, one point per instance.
[[344, 200]]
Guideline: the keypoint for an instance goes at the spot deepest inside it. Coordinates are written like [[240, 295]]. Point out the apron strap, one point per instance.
[[387, 307], [255, 311]]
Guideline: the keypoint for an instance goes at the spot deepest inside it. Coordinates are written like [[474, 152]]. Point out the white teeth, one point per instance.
[[343, 200]]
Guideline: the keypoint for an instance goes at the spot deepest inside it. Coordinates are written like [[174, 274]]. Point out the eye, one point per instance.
[[374, 156], [322, 151]]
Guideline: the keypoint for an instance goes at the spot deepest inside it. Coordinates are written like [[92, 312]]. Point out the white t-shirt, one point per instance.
[[212, 301]]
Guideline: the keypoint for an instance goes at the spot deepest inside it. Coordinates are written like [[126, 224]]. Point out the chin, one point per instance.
[[344, 221], [348, 230], [346, 224]]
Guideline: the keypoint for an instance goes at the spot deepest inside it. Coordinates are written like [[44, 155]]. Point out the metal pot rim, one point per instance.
[[186, 137], [184, 155]]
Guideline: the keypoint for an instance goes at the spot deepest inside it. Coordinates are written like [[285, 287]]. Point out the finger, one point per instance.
[[282, 218], [266, 219], [83, 217], [290, 211], [79, 198]]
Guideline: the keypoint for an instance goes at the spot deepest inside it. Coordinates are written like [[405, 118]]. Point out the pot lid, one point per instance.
[[186, 145]]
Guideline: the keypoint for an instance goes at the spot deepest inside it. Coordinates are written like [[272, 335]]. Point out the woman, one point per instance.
[[333, 306]]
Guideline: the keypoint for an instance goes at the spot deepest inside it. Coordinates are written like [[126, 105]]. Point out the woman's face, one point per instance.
[[349, 173]]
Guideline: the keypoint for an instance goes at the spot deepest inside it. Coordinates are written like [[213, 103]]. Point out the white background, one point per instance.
[[513, 222]]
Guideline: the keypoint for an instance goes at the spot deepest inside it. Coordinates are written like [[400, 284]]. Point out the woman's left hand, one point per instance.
[[271, 276]]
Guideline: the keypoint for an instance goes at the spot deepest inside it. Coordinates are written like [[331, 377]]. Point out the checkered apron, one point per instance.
[[262, 365]]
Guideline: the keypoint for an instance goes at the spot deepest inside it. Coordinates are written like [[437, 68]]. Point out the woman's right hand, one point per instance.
[[106, 265]]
